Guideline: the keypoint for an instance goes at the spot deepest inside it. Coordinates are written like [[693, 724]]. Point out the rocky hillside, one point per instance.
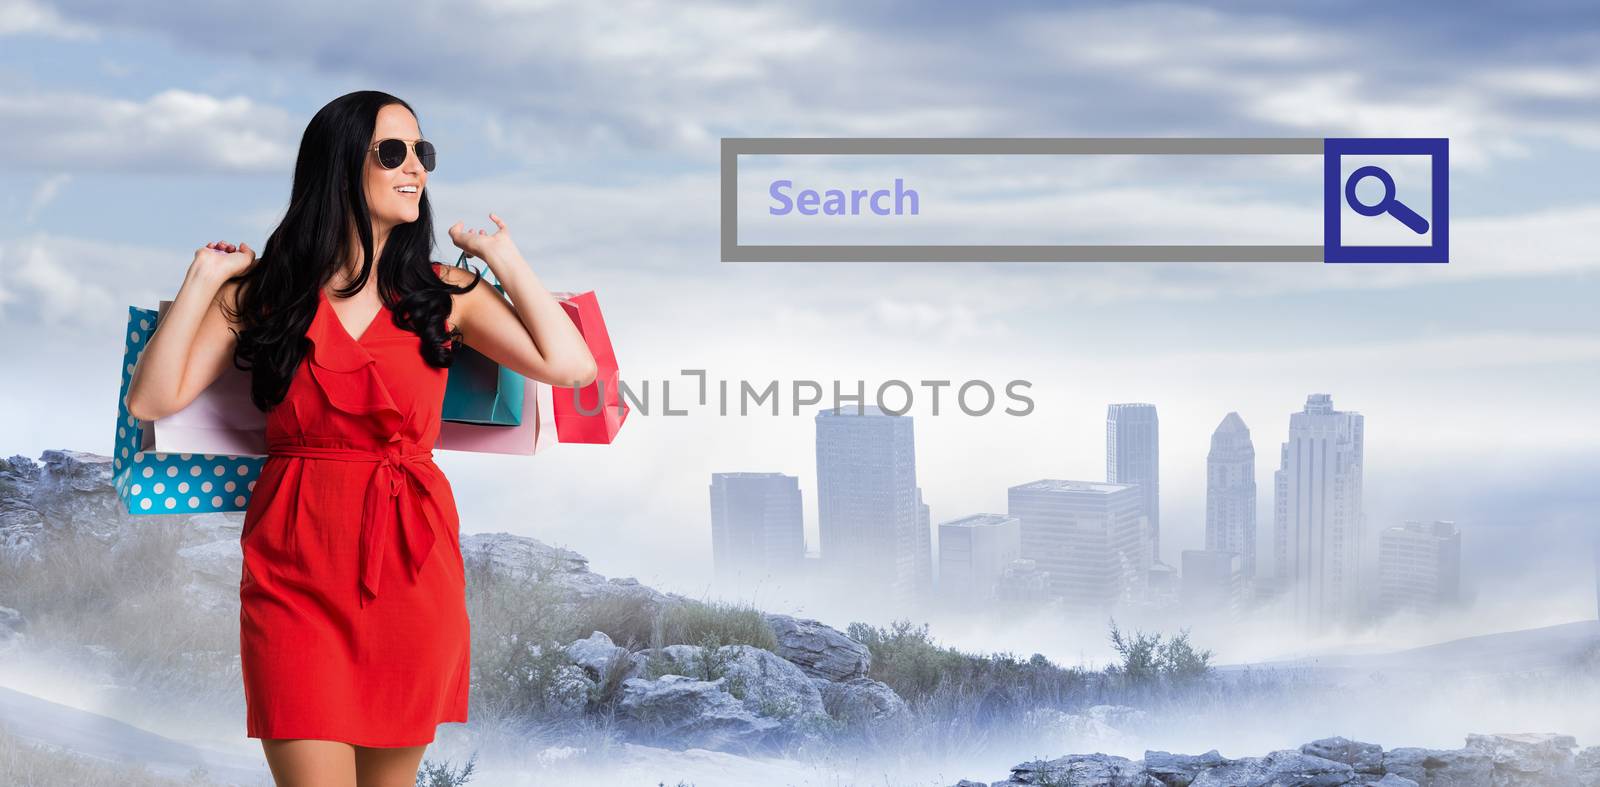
[[742, 681], [1487, 761], [812, 681]]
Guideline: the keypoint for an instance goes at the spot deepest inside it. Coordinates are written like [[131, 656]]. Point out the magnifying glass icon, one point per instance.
[[1388, 204]]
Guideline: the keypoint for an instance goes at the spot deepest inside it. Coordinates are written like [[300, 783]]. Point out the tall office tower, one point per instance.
[[1091, 538], [1419, 567], [757, 530], [974, 552], [1231, 493], [1213, 582], [867, 509], [1133, 457], [924, 548], [1319, 519]]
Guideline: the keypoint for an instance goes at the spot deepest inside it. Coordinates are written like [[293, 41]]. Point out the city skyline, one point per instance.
[[1317, 496]]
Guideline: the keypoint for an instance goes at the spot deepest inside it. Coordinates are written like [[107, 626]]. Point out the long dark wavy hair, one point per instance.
[[278, 294]]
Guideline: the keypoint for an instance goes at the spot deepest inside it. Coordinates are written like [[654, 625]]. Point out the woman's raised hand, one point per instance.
[[477, 243], [223, 260]]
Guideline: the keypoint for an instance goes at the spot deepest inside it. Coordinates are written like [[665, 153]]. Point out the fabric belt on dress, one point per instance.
[[388, 487]]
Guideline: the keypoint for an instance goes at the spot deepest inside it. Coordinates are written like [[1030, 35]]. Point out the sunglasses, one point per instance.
[[392, 152]]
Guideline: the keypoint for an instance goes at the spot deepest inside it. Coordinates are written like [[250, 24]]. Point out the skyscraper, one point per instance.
[[1419, 567], [1231, 493], [757, 529], [924, 564], [868, 510], [974, 552], [1091, 538], [1133, 457], [1318, 514]]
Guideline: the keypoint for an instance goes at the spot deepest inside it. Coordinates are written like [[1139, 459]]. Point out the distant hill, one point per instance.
[[1527, 650]]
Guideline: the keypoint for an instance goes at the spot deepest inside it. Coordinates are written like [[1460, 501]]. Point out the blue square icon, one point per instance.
[[1368, 201]]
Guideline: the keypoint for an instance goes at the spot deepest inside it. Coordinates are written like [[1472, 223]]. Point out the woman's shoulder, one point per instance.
[[452, 274]]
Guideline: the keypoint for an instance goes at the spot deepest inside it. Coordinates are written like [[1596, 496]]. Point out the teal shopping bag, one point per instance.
[[148, 482], [478, 390]]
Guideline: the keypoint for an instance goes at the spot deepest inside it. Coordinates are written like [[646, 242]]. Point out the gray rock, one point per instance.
[[21, 524], [73, 492], [522, 557], [767, 685], [1531, 759], [1391, 780], [215, 567], [680, 712], [862, 701], [820, 650], [569, 691], [1081, 770], [1180, 770], [1363, 757], [771, 685], [1283, 768], [1586, 768], [1440, 767], [596, 654]]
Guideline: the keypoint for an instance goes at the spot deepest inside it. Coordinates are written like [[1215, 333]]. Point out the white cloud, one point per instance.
[[174, 130], [27, 17], [78, 286]]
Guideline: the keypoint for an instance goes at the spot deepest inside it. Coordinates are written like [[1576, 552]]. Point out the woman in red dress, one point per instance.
[[354, 636]]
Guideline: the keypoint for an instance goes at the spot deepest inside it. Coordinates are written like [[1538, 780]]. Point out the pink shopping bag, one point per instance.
[[536, 432], [221, 420], [595, 412]]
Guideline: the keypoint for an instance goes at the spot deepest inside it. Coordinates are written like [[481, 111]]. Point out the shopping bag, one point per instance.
[[478, 390], [150, 482], [221, 420], [536, 432], [595, 412]]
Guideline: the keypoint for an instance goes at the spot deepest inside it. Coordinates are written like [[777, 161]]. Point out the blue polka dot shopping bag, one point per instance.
[[171, 483]]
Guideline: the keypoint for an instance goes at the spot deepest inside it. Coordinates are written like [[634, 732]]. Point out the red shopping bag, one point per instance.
[[595, 412]]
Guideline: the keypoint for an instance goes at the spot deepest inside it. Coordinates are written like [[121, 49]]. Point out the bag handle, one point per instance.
[[461, 262]]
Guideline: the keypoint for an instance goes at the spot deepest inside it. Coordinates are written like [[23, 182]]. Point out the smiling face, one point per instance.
[[386, 202]]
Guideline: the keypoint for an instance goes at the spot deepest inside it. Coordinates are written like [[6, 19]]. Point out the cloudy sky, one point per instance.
[[134, 135]]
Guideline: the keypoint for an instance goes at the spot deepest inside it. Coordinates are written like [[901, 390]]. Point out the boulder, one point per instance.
[[820, 650], [1391, 780], [680, 712], [1283, 768], [768, 686], [569, 691], [1531, 759], [512, 555], [1180, 770], [861, 701], [1363, 757], [595, 655], [1081, 770], [1586, 769], [1440, 767]]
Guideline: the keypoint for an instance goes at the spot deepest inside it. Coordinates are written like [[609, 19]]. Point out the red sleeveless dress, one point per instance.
[[352, 602]]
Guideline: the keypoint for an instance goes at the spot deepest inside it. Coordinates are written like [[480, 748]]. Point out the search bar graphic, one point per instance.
[[1393, 207]]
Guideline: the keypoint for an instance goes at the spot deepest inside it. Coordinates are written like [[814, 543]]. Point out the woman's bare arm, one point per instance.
[[531, 333], [194, 343]]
